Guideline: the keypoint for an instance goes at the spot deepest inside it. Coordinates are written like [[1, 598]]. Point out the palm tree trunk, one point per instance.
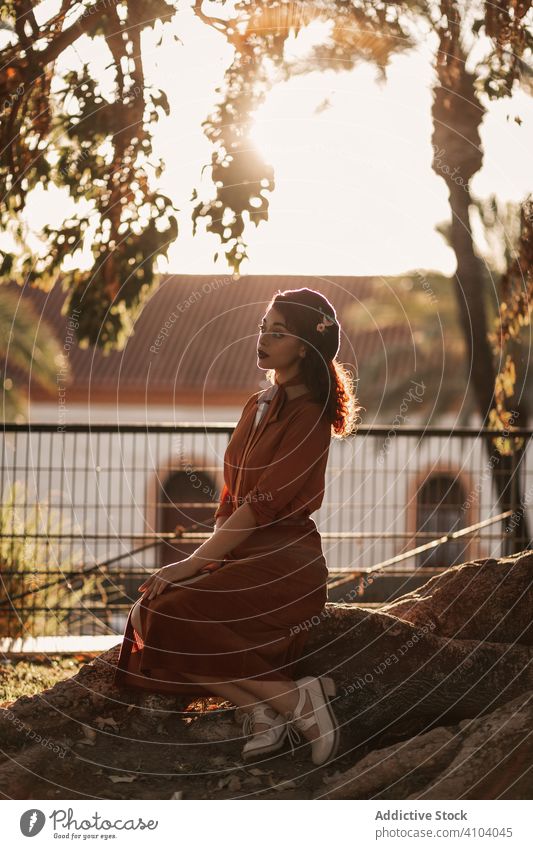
[[457, 116], [469, 284]]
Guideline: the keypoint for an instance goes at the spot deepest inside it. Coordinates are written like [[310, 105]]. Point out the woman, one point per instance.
[[224, 621]]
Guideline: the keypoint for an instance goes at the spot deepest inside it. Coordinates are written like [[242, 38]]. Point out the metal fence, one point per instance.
[[89, 510]]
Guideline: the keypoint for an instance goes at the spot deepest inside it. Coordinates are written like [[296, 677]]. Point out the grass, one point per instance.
[[27, 675], [33, 601]]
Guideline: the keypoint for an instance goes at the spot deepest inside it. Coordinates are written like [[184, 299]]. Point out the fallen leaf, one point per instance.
[[90, 733], [121, 779], [281, 785], [177, 795], [104, 721], [253, 781], [89, 737], [329, 779]]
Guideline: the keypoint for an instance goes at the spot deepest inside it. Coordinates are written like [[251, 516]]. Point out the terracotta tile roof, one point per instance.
[[211, 341]]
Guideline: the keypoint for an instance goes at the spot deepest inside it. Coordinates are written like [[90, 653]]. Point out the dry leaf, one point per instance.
[[103, 722], [282, 785], [90, 733], [177, 795], [330, 779], [89, 737], [121, 779], [254, 781]]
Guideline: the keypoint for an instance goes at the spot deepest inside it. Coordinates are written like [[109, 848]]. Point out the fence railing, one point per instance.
[[89, 510]]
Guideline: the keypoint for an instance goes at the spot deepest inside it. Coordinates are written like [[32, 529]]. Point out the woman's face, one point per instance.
[[281, 348]]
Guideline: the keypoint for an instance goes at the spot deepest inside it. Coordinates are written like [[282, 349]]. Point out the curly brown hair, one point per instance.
[[329, 382]]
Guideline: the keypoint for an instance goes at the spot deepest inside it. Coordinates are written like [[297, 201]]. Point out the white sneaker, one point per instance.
[[320, 690], [263, 742]]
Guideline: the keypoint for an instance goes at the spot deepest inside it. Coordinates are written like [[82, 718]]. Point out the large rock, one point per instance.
[[448, 651], [481, 600], [459, 648]]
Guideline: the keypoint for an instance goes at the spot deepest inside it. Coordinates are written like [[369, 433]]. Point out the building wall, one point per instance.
[[110, 484]]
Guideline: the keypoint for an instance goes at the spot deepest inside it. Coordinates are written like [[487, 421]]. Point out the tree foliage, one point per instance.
[[360, 32], [374, 32], [62, 129], [515, 311], [28, 345]]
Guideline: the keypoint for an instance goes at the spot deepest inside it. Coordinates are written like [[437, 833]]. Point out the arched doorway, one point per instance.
[[439, 510], [181, 503]]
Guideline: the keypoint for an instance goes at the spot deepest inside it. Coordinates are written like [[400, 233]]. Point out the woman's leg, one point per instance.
[[281, 695], [135, 614], [227, 689]]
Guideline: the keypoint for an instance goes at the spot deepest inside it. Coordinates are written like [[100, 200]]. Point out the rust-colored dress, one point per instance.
[[241, 620]]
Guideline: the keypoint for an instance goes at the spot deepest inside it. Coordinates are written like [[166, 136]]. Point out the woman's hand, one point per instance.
[[168, 576]]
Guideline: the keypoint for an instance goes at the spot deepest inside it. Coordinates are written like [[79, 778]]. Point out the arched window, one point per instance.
[[439, 510], [180, 503]]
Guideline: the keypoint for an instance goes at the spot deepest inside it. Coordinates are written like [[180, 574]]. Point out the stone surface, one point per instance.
[[481, 600], [422, 680], [487, 757]]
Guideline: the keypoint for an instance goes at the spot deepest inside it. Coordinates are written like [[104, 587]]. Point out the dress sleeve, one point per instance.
[[304, 443], [225, 507]]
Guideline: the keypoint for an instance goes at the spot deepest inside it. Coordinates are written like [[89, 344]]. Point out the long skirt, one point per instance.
[[248, 619]]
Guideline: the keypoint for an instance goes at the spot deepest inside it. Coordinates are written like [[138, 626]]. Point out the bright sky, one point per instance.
[[355, 193]]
